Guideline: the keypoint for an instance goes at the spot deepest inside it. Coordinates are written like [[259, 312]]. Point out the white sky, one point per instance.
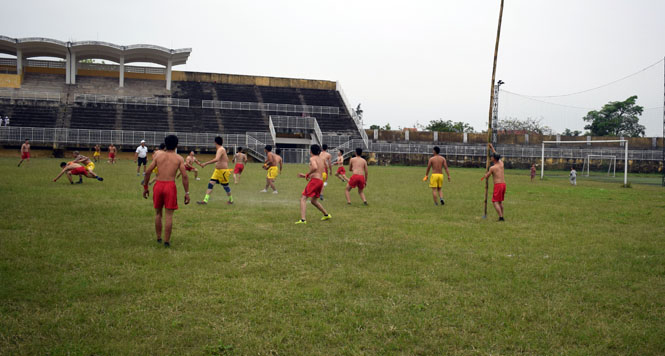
[[405, 61]]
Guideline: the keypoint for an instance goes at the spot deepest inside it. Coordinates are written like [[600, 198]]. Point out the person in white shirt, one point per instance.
[[6, 120], [573, 176], [141, 157]]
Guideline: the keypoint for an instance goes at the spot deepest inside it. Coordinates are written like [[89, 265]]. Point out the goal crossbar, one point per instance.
[[625, 164]]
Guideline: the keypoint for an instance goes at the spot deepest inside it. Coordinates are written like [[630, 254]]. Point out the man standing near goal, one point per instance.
[[437, 163], [222, 173], [496, 171], [573, 176], [165, 193]]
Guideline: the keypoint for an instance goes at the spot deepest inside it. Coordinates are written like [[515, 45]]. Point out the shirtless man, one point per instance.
[[358, 168], [496, 171], [436, 163], [25, 151], [165, 193], [239, 159], [76, 169], [97, 154], [189, 165], [278, 159], [273, 171], [155, 152], [112, 152], [221, 174], [315, 185], [341, 172], [327, 160], [533, 171], [79, 158]]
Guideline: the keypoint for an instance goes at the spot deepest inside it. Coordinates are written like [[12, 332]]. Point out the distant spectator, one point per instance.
[[573, 176], [6, 120], [533, 171], [141, 157]]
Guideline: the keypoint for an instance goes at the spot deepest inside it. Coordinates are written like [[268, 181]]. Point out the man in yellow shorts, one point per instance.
[[221, 174], [273, 170], [436, 164], [97, 154]]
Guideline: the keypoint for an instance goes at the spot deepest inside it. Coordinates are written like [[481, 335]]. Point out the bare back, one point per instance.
[[240, 158], [358, 165], [497, 172], [222, 158], [278, 160], [168, 163], [437, 162], [316, 163]]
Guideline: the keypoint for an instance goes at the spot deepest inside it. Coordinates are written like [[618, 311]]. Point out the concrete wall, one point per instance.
[[252, 80], [10, 80]]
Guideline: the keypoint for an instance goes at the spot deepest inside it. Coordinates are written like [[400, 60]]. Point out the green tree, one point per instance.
[[568, 132], [529, 125], [448, 126], [616, 118], [377, 127]]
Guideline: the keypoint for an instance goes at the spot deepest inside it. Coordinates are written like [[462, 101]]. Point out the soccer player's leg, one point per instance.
[[211, 184], [315, 201], [168, 227], [303, 209], [158, 224], [226, 175], [361, 192]]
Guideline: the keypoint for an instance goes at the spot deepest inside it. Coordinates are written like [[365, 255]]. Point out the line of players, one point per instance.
[[165, 193]]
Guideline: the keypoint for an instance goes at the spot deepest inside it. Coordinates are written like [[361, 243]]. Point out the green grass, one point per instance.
[[573, 271]]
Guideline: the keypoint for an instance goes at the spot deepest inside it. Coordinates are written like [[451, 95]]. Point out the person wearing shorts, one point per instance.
[[112, 151], [314, 186], [164, 192], [76, 169], [273, 171], [141, 157], [240, 159], [496, 171], [97, 154], [341, 171], [437, 163], [358, 168], [221, 174], [25, 151], [189, 165]]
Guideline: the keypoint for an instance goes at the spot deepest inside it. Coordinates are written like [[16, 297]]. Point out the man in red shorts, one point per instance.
[[165, 193], [358, 168], [341, 172], [25, 151], [313, 189], [240, 159], [189, 165], [496, 171], [76, 169], [112, 152]]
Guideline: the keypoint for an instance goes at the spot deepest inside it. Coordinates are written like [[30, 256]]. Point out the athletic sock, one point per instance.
[[231, 198], [207, 197]]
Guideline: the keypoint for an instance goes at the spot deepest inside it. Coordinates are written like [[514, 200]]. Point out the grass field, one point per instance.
[[573, 270]]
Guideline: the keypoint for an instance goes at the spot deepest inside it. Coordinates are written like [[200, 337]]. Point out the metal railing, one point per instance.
[[295, 122], [257, 140], [354, 116], [252, 106], [29, 95], [131, 100]]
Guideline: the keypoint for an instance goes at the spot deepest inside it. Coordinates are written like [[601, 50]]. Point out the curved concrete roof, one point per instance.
[[38, 46]]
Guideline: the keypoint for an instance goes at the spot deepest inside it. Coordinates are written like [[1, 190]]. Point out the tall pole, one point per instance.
[[489, 121], [663, 164]]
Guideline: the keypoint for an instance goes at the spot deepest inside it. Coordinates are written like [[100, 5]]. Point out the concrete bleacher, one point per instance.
[[92, 115]]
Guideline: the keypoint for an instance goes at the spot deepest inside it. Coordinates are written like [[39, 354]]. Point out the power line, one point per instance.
[[545, 102], [595, 88]]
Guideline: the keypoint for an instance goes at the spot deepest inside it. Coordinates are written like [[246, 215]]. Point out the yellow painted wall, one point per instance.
[[10, 80], [253, 80]]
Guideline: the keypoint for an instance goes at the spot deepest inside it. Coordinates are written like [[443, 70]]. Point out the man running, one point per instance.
[[165, 193], [358, 168], [436, 163], [97, 154], [239, 159], [112, 152], [76, 169], [341, 171], [496, 171], [25, 151], [273, 171], [314, 187], [327, 160], [141, 157], [189, 165], [221, 174]]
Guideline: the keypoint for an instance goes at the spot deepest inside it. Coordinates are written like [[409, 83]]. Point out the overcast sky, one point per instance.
[[405, 61]]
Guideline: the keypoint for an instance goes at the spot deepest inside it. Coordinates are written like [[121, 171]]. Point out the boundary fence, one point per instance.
[[251, 106], [131, 100]]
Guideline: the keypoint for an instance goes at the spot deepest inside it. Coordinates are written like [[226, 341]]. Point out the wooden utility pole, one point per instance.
[[489, 121]]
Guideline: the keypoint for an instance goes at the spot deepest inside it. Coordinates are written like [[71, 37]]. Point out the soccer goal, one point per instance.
[[599, 161], [558, 157]]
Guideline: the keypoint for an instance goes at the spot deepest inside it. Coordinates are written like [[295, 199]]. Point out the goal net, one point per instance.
[[600, 164], [591, 159]]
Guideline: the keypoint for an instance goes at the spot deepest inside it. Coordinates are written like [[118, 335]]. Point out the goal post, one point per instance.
[[611, 169], [589, 142]]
